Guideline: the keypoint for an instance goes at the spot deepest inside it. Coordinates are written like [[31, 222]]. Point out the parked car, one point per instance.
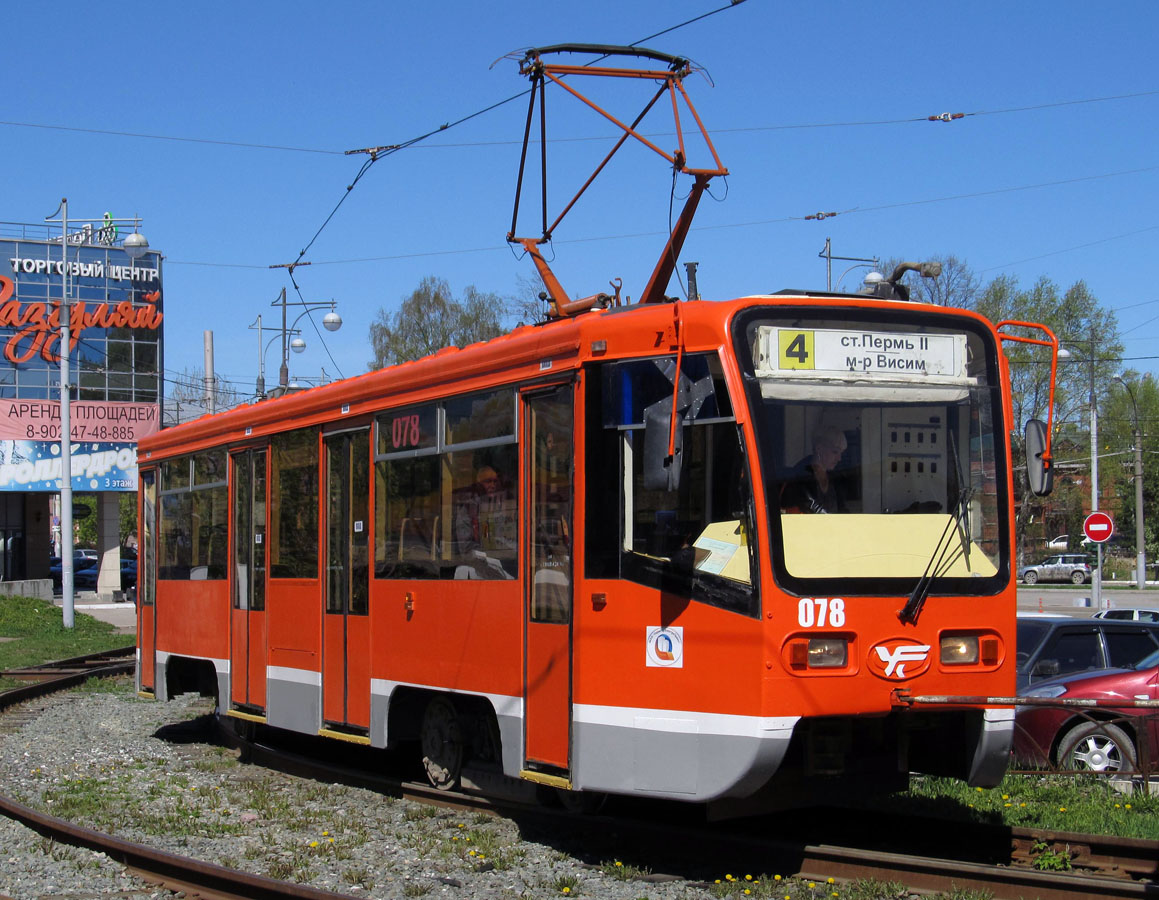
[[84, 569], [1072, 567], [1062, 542], [1055, 646], [128, 574], [1100, 739], [1128, 615]]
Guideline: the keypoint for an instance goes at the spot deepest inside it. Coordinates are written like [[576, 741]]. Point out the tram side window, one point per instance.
[[194, 518], [695, 540], [294, 504], [445, 489]]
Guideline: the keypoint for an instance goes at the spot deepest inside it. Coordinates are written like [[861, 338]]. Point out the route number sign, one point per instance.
[[1099, 527], [829, 352]]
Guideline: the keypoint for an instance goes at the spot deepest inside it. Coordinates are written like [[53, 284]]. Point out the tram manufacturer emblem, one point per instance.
[[897, 659]]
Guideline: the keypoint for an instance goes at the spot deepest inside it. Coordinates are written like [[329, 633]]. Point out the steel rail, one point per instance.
[[1010, 878], [202, 879]]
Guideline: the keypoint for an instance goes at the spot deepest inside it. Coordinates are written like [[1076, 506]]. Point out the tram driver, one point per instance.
[[811, 487]]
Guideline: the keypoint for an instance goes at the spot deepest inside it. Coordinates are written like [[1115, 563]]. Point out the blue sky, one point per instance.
[[1033, 183]]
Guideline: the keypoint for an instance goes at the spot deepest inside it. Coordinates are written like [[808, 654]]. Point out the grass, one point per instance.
[[1085, 804], [776, 887], [38, 627]]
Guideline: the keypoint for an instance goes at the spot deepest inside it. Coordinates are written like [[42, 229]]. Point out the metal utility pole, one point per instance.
[[1140, 549], [827, 255], [210, 377], [1097, 578]]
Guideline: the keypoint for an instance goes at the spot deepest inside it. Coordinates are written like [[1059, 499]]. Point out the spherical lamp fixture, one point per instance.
[[136, 245]]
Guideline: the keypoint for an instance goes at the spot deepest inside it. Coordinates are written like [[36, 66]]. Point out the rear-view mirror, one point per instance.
[[1039, 470]]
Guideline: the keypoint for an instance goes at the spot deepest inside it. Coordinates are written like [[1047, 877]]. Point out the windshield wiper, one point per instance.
[[941, 559], [939, 563]]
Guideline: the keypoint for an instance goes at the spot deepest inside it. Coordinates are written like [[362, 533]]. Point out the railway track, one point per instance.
[[995, 860]]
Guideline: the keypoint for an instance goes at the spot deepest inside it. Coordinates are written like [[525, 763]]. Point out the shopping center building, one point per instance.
[[115, 361]]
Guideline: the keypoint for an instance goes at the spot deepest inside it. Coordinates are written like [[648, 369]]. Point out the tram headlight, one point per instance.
[[959, 649], [828, 653]]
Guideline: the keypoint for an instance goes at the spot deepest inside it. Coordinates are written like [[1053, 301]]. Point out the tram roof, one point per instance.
[[527, 352]]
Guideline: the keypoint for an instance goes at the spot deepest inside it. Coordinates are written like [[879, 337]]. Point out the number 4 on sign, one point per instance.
[[796, 348]]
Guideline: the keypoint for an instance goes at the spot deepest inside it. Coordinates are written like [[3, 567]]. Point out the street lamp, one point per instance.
[[136, 246], [291, 337], [827, 255], [1140, 551], [865, 265], [1097, 578]]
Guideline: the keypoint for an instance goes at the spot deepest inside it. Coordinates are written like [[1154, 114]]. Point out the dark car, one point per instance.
[[84, 574], [128, 573], [1054, 646], [1072, 567], [1100, 739]]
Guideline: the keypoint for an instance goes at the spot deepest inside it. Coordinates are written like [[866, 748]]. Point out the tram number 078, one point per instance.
[[817, 612]]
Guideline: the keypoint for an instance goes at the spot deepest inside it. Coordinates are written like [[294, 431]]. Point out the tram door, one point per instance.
[[147, 582], [247, 669], [346, 624], [548, 583]]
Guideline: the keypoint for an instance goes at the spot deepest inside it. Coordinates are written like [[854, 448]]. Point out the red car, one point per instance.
[[1103, 738]]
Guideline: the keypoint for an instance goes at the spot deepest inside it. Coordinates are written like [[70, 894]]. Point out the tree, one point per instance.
[[186, 399], [1132, 395], [431, 319], [86, 528], [1076, 318]]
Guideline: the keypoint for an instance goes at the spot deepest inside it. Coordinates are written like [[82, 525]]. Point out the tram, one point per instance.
[[725, 552]]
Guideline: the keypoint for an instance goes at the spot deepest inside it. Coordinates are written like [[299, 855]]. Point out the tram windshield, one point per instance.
[[881, 450]]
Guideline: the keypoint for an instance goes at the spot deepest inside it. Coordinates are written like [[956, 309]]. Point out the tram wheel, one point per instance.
[[442, 744], [580, 803]]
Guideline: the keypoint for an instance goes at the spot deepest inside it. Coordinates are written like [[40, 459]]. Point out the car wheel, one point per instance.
[[1097, 747], [1030, 577], [1077, 577]]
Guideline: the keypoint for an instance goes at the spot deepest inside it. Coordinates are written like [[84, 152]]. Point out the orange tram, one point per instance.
[[705, 551]]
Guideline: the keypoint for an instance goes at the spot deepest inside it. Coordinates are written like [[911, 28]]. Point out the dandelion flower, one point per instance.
[[1062, 809], [812, 884], [1128, 806], [830, 880], [748, 878], [313, 843], [747, 891], [567, 890], [776, 878]]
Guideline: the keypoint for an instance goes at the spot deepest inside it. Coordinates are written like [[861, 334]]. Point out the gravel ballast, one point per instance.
[[112, 761]]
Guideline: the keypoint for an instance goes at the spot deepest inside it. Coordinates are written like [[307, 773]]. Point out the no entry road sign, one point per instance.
[[1099, 527]]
